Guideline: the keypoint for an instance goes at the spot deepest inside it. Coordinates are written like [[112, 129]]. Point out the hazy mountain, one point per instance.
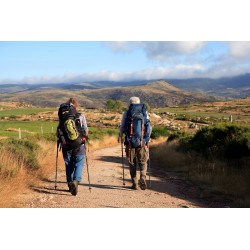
[[158, 93]]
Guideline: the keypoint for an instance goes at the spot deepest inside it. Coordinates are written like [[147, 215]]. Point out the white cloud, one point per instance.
[[178, 71], [118, 46], [164, 50], [240, 49], [158, 50]]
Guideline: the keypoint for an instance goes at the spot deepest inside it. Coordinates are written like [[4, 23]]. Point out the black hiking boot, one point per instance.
[[134, 186], [74, 187], [143, 184]]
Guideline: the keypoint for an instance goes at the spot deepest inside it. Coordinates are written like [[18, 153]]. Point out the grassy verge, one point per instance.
[[217, 156], [25, 162]]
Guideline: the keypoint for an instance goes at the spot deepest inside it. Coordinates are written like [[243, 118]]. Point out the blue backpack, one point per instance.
[[137, 127]]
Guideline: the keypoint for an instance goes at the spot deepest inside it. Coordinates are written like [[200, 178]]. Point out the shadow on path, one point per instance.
[[106, 186], [46, 190]]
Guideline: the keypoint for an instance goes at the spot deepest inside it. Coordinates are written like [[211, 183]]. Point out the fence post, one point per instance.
[[42, 128], [19, 134], [231, 118], [52, 129]]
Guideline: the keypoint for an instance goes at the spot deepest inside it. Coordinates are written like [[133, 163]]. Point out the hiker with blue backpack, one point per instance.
[[137, 129], [72, 132]]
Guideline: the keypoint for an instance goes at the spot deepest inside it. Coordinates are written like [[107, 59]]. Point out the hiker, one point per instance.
[[72, 131], [137, 129]]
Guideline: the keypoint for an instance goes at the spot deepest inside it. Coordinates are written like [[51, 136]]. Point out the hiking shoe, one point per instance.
[[134, 186], [74, 187], [143, 184]]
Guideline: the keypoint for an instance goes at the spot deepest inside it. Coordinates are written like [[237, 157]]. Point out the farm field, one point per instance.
[[10, 129], [15, 113], [214, 111]]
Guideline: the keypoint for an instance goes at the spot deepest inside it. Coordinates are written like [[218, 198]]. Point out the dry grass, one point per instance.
[[219, 175], [15, 179], [107, 141]]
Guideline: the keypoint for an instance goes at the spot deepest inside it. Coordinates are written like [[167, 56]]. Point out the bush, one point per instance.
[[111, 104], [159, 131], [223, 140], [180, 135]]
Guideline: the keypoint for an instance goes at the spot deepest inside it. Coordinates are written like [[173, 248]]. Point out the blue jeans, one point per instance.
[[74, 161]]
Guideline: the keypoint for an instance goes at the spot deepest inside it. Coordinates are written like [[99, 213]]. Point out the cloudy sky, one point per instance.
[[76, 62]]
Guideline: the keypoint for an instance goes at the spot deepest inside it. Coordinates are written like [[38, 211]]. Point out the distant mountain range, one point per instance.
[[160, 92]]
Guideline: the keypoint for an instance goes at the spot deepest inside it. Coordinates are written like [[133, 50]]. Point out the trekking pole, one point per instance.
[[87, 166], [56, 163], [149, 167], [122, 161]]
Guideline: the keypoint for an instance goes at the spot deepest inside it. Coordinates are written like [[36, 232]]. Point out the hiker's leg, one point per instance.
[[142, 157], [78, 162], [67, 156], [132, 165]]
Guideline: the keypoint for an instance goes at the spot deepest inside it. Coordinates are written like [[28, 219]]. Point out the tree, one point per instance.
[[119, 104], [147, 105], [111, 104]]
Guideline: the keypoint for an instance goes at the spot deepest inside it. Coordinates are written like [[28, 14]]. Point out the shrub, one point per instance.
[[227, 140], [180, 135], [159, 131], [119, 105], [111, 104], [12, 117]]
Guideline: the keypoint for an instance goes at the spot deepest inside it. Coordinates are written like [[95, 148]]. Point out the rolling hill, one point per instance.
[[159, 93]]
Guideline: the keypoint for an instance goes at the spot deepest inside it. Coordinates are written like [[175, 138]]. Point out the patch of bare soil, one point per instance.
[[168, 190]]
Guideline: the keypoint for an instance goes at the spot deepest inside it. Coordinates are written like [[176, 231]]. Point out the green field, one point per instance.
[[202, 114], [28, 111], [30, 127], [26, 127]]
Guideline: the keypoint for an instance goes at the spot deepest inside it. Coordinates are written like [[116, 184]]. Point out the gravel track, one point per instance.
[[167, 190]]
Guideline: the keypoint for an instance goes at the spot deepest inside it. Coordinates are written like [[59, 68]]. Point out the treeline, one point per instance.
[[119, 105]]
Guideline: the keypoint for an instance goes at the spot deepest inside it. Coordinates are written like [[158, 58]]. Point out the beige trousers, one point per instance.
[[137, 156]]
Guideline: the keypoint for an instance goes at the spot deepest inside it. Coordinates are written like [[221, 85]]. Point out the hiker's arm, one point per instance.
[[151, 126], [84, 123], [123, 123]]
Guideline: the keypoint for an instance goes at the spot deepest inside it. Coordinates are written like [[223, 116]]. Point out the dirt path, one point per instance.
[[167, 191]]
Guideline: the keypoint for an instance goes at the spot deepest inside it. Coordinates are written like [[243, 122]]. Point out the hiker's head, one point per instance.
[[73, 101], [134, 100]]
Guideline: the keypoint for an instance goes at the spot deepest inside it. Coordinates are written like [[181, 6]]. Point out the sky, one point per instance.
[[75, 62]]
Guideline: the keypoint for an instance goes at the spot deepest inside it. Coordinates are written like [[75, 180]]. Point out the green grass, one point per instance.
[[159, 131], [190, 113], [30, 126], [98, 133], [28, 111], [35, 127], [23, 150]]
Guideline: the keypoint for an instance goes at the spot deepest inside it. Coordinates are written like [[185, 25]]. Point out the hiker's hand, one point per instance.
[[57, 133]]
